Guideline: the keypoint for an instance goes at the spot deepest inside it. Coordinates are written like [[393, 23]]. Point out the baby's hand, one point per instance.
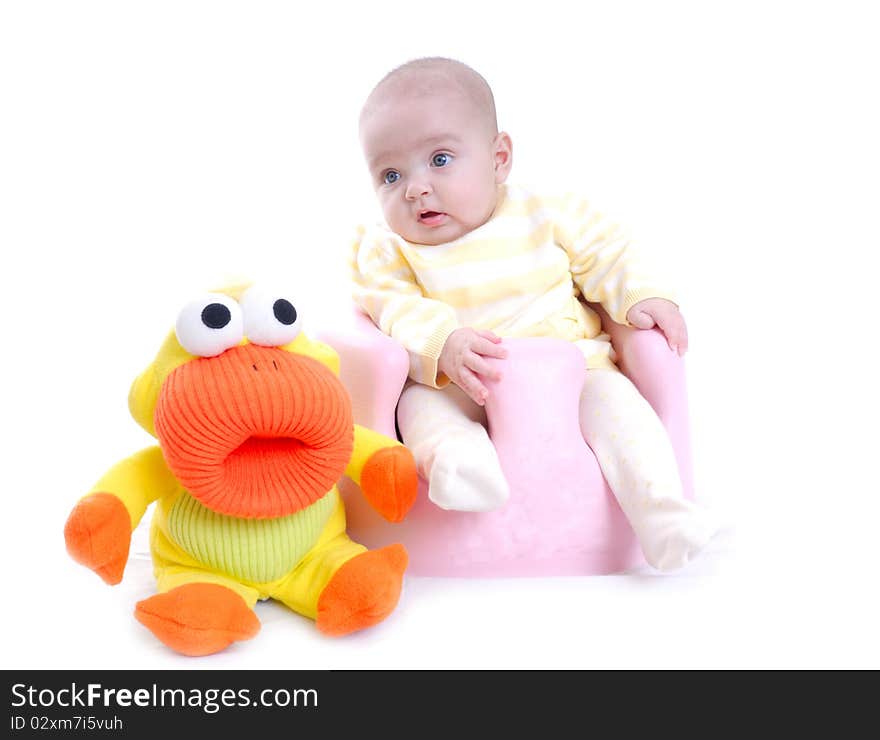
[[662, 313], [463, 360]]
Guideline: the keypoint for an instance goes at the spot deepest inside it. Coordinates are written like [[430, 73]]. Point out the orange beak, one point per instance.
[[255, 432]]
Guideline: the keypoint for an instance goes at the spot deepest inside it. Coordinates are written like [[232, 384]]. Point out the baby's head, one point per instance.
[[436, 158]]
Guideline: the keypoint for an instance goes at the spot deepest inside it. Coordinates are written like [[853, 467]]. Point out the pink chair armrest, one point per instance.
[[372, 366], [645, 358]]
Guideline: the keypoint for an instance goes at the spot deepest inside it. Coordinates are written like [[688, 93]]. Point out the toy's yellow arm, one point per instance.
[[385, 471], [137, 481], [98, 530]]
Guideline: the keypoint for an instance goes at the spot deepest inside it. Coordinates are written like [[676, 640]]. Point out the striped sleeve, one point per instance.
[[385, 288], [603, 263]]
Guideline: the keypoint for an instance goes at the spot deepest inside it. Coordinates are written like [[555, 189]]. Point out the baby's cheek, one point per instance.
[[394, 217], [479, 201]]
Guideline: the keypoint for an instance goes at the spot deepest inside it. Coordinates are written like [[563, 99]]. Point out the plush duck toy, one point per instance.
[[254, 431]]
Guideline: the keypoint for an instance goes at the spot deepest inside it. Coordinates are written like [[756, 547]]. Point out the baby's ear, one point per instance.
[[502, 152]]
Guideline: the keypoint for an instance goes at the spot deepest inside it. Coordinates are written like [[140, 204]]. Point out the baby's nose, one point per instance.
[[418, 189]]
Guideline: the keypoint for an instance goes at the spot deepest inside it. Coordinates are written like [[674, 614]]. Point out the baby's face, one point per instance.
[[432, 159]]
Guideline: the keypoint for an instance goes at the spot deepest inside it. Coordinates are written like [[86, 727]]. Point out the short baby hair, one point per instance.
[[427, 75]]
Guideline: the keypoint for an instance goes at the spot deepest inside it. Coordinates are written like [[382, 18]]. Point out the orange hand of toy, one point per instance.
[[390, 482], [98, 535]]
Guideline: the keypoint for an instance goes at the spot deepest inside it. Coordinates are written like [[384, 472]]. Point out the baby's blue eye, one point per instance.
[[441, 160], [390, 177]]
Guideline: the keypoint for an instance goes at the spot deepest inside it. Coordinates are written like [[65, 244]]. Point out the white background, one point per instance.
[[149, 151]]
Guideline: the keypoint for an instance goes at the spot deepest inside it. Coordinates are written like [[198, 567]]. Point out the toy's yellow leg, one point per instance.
[[340, 584], [301, 589], [196, 612]]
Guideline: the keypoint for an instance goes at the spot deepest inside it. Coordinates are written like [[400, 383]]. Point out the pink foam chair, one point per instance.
[[561, 518]]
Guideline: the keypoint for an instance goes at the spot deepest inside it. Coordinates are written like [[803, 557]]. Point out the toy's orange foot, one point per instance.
[[390, 482], [363, 591], [198, 618]]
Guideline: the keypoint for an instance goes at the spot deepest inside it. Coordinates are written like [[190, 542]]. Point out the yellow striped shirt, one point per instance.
[[526, 272]]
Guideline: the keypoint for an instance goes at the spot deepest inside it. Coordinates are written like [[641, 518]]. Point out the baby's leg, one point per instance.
[[637, 460], [446, 433]]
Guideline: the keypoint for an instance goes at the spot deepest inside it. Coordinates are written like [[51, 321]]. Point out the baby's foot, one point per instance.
[[466, 476], [673, 532]]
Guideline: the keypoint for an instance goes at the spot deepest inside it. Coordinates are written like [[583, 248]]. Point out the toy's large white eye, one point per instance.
[[270, 318], [209, 325]]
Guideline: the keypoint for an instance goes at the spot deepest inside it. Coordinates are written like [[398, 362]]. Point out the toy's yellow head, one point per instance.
[[249, 411]]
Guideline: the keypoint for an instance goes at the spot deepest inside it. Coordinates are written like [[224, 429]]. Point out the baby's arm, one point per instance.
[[607, 272], [664, 314], [385, 288], [462, 360]]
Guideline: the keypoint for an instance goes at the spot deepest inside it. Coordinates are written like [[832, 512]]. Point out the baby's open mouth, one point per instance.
[[431, 218]]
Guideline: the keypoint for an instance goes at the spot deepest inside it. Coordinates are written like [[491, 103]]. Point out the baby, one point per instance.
[[465, 259]]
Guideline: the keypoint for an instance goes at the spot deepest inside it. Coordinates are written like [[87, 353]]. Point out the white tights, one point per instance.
[[446, 433]]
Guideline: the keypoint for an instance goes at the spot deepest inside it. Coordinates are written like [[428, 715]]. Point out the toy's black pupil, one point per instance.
[[216, 316], [284, 311]]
